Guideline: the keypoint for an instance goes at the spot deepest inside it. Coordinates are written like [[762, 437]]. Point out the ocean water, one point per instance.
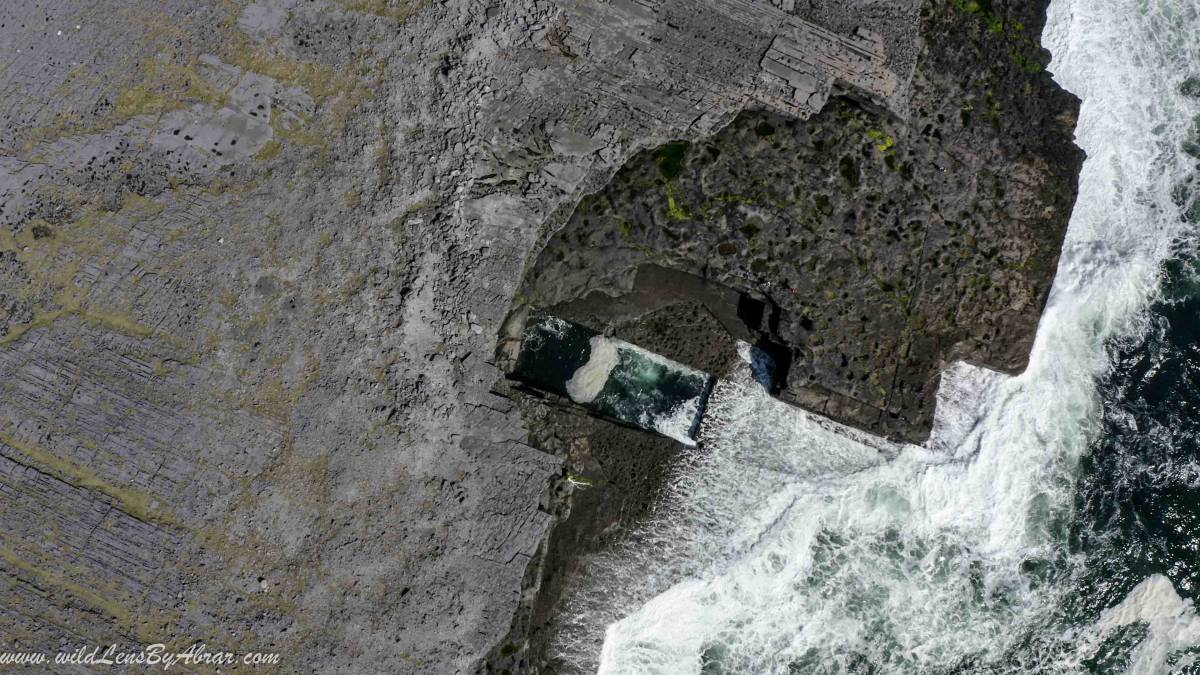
[[1052, 524]]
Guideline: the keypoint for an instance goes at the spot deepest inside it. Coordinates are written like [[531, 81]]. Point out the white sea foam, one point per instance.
[[786, 544], [588, 380], [677, 423], [1171, 625]]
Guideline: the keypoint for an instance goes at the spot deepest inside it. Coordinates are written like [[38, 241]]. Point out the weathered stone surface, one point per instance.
[[940, 219], [891, 247], [254, 257]]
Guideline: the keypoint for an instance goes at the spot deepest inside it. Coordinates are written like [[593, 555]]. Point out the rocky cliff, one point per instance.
[[255, 257], [877, 241]]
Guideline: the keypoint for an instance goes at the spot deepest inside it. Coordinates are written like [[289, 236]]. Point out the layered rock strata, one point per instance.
[[254, 259]]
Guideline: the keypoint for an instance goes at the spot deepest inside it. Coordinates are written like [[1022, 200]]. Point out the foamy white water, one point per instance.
[[787, 547]]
